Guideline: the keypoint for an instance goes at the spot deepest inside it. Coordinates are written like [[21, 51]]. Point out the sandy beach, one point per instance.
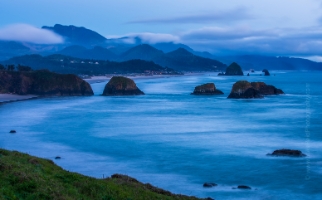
[[4, 98], [99, 79]]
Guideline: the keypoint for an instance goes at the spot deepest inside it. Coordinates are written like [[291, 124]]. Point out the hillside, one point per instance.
[[96, 53], [271, 63], [44, 83], [77, 35], [180, 59], [69, 65], [27, 177], [142, 52]]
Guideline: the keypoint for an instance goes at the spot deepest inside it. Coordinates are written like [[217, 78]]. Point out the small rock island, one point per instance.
[[233, 70], [43, 83], [287, 152], [246, 90], [266, 72], [207, 89], [121, 86]]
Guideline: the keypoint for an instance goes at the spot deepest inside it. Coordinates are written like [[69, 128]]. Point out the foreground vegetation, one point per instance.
[[26, 177]]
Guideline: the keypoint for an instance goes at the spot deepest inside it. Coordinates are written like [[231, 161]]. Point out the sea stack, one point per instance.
[[244, 90], [247, 90], [206, 89], [233, 70], [266, 72], [121, 86]]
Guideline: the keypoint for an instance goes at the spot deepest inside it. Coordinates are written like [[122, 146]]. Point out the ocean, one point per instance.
[[178, 141]]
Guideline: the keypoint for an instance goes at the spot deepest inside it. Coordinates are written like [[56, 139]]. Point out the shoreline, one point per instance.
[[99, 79], [8, 98]]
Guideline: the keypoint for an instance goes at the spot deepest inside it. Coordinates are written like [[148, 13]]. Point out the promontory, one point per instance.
[[43, 83]]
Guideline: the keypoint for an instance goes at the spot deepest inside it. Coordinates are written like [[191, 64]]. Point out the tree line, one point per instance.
[[20, 68]]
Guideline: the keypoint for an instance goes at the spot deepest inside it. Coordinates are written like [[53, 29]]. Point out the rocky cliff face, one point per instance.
[[246, 90], [206, 89], [43, 83], [119, 86]]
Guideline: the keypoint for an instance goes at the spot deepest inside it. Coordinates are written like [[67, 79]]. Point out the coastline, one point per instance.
[[7, 98], [99, 79]]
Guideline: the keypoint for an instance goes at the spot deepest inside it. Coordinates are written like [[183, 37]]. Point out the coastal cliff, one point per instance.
[[27, 177], [43, 83], [119, 86]]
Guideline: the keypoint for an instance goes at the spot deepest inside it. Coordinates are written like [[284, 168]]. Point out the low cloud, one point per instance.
[[153, 38], [28, 33], [146, 37], [244, 40], [236, 14]]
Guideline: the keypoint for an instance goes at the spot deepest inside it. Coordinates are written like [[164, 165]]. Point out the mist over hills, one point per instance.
[[83, 43]]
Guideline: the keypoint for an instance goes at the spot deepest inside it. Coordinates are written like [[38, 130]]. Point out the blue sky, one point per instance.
[[288, 27]]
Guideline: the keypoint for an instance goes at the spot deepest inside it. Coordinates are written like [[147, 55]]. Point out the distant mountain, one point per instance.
[[258, 62], [142, 52], [65, 64], [96, 53], [78, 35], [10, 49], [121, 45], [180, 59], [170, 46]]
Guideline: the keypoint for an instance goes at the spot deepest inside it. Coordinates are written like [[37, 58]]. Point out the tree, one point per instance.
[[22, 68], [10, 67], [2, 67]]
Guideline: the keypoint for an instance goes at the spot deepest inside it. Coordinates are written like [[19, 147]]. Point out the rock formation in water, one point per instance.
[[247, 90], [209, 185], [119, 86], [244, 187], [287, 152], [43, 83], [207, 89], [244, 90], [266, 89], [266, 72], [233, 70]]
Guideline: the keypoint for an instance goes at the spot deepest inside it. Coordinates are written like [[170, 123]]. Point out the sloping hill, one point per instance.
[[96, 53], [65, 64], [27, 177], [142, 52], [180, 59], [78, 35], [258, 62]]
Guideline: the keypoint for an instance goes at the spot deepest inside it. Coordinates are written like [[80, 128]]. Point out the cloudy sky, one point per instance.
[[274, 27]]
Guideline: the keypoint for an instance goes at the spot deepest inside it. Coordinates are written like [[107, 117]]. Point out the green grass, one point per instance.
[[27, 177]]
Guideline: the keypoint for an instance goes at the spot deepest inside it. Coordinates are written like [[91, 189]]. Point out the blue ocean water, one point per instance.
[[178, 141]]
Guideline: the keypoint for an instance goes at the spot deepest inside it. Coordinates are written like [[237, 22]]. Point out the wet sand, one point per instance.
[[4, 98]]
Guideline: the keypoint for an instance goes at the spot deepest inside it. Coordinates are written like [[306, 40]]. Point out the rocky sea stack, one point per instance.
[[266, 72], [43, 83], [247, 90], [287, 152], [119, 86], [206, 89], [233, 70]]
